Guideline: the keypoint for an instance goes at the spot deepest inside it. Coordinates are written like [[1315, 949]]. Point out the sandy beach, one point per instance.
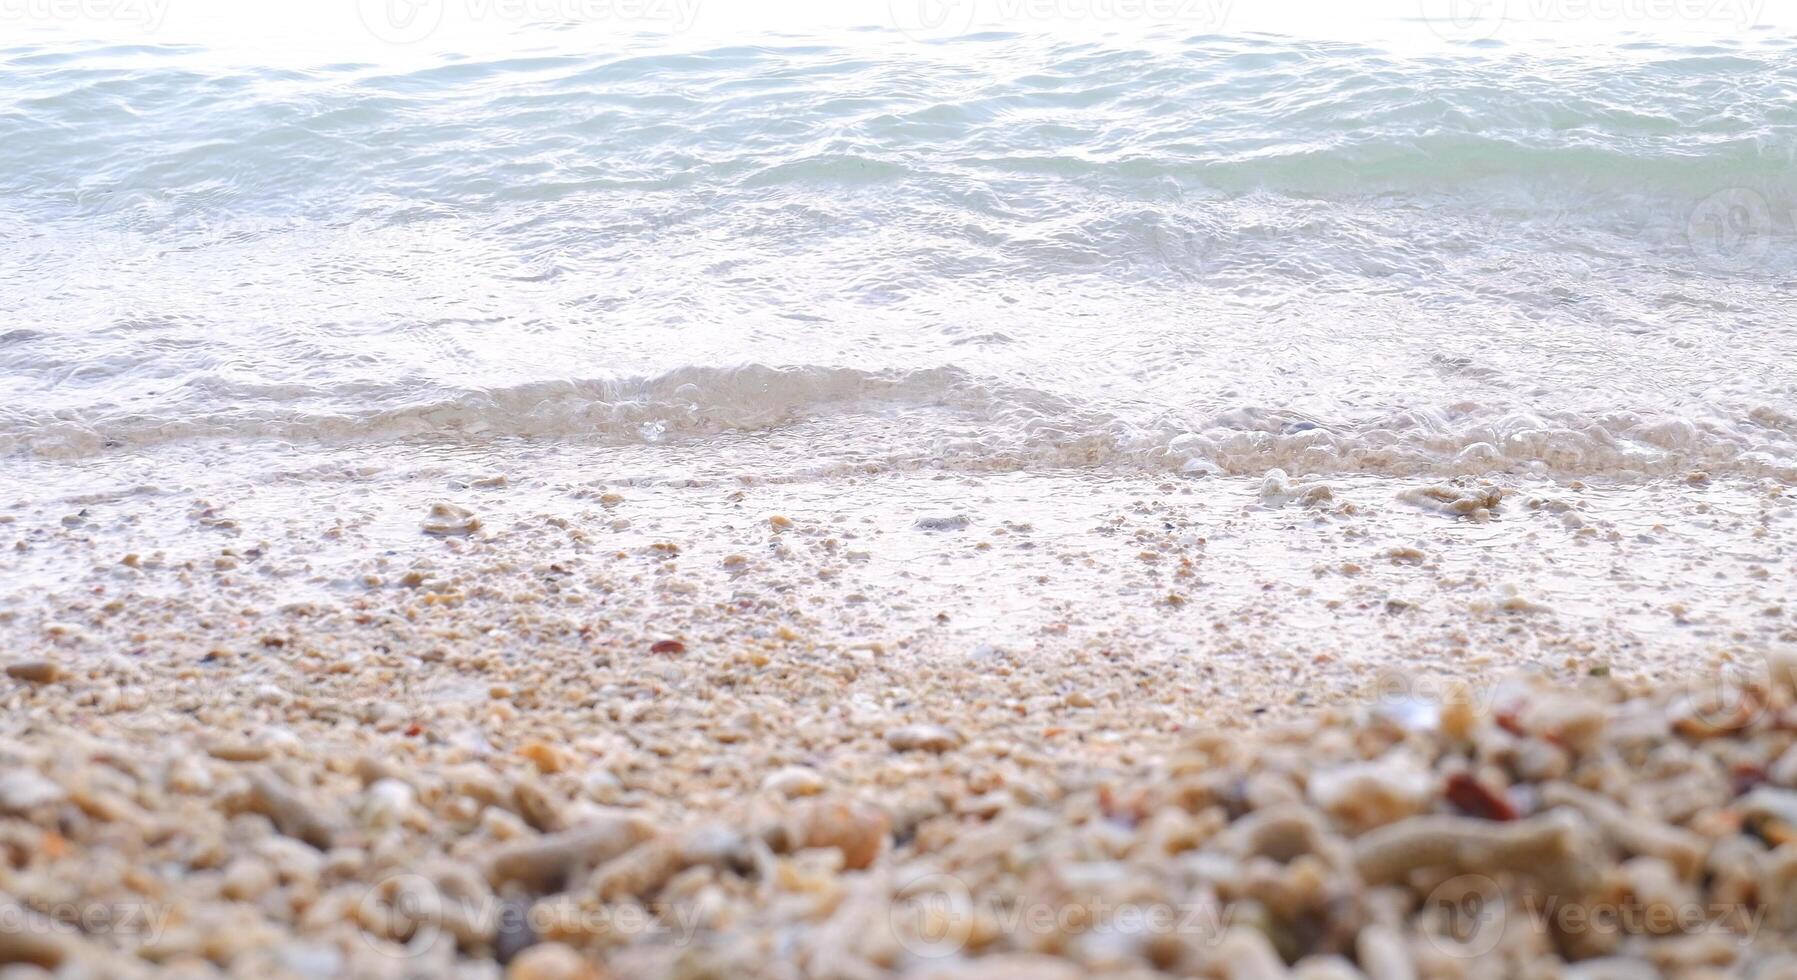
[[898, 490], [461, 721]]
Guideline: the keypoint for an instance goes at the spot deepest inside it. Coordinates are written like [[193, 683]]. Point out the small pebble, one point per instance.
[[552, 961], [448, 520], [27, 789], [34, 671], [794, 781], [923, 738]]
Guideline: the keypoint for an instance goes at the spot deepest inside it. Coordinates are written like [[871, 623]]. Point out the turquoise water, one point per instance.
[[1184, 250]]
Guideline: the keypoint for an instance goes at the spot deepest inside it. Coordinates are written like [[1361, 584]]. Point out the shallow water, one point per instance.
[[1165, 341], [1178, 252]]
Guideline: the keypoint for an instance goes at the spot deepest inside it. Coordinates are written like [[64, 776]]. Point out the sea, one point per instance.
[[1241, 249]]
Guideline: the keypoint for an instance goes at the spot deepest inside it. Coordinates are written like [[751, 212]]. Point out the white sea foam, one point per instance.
[[952, 418]]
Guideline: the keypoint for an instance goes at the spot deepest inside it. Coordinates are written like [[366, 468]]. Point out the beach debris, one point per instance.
[[794, 781], [543, 864], [1365, 795], [34, 671], [923, 738], [552, 961], [1556, 846], [857, 830], [1473, 499], [944, 522], [447, 520], [294, 816], [1474, 799], [23, 789]]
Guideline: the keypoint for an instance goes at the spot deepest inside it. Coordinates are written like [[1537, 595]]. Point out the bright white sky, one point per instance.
[[379, 30]]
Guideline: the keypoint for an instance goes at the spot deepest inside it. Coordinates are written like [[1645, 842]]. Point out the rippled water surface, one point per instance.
[[1200, 252]]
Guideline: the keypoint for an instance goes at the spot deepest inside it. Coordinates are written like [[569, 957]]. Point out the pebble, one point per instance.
[[547, 758], [552, 961], [246, 880], [948, 522], [541, 864], [794, 781], [292, 815], [23, 789], [448, 520], [190, 776], [237, 750], [32, 946], [923, 738], [1011, 966], [386, 803], [34, 671], [1372, 794], [857, 830]]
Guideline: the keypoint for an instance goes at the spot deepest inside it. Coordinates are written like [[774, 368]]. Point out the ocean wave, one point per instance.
[[1212, 111], [1227, 254], [948, 416]]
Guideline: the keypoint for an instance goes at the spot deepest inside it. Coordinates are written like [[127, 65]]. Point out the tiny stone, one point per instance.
[[448, 520], [27, 789], [246, 880], [34, 671], [547, 758], [927, 738], [794, 781], [551, 961]]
